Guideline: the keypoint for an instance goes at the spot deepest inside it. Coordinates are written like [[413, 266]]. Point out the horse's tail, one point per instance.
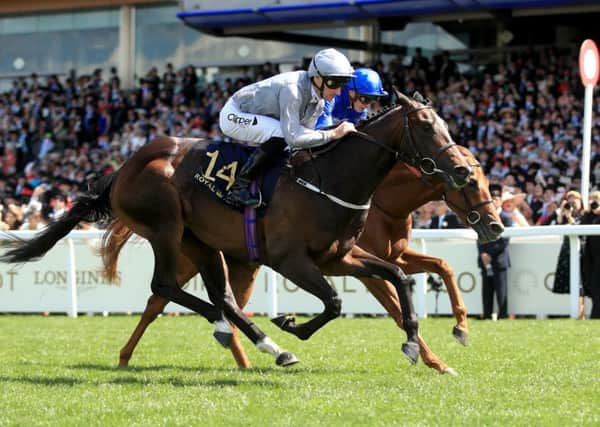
[[91, 207], [113, 241]]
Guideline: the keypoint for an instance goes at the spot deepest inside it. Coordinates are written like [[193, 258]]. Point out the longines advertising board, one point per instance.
[[42, 286]]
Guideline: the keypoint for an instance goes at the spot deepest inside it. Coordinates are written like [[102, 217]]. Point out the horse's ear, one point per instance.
[[418, 97], [402, 99]]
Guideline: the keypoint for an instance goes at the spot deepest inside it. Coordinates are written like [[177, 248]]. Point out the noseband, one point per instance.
[[472, 213]]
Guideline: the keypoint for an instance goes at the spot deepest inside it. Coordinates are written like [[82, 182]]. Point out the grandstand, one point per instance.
[[508, 90]]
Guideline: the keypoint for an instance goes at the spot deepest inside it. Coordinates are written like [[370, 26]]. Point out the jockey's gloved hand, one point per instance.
[[343, 129]]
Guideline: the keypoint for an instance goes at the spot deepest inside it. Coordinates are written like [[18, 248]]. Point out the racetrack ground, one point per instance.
[[62, 372]]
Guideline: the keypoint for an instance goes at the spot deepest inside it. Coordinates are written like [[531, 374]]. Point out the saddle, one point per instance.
[[219, 163]]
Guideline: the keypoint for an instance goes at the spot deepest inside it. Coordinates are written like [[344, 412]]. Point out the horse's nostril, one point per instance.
[[462, 171], [497, 228]]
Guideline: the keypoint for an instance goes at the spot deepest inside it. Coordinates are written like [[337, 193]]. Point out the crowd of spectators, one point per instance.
[[522, 118]]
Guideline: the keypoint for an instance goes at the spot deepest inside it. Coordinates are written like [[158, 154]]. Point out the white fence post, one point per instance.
[[272, 286], [421, 287], [72, 278], [585, 152], [574, 279]]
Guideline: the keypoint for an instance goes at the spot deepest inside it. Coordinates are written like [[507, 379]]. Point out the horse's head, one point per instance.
[[474, 204], [427, 144]]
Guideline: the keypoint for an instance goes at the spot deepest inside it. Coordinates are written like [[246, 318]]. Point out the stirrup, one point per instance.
[[256, 199], [247, 200], [239, 195]]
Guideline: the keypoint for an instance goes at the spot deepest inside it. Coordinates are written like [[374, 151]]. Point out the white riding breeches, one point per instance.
[[249, 129]]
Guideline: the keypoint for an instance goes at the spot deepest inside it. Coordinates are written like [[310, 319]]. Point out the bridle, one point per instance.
[[472, 213], [427, 165]]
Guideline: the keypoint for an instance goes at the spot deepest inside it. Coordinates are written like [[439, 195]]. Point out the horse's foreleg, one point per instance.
[[154, 307], [361, 264], [298, 267], [216, 278], [416, 262], [385, 293], [242, 276]]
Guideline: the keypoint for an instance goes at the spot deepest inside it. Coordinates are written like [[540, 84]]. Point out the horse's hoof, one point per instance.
[[223, 338], [411, 351], [283, 320], [286, 359], [460, 335], [450, 372]]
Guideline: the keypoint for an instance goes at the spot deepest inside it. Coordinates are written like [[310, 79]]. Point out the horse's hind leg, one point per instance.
[[185, 271], [385, 293], [359, 263], [418, 263], [166, 247], [212, 266], [154, 307]]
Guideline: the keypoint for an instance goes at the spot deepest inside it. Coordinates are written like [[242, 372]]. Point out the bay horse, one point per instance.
[[303, 235], [387, 235]]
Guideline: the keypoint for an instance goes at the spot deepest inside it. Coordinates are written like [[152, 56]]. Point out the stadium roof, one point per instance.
[[245, 20]]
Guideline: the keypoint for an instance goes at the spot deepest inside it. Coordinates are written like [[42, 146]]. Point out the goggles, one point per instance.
[[335, 82], [366, 99]]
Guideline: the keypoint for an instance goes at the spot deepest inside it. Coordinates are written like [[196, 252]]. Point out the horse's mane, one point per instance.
[[300, 156], [379, 114], [376, 116]]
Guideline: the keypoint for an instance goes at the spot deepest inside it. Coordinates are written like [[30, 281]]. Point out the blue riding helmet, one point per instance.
[[366, 82]]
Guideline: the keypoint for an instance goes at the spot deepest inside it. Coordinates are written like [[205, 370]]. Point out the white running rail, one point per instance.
[[419, 237]]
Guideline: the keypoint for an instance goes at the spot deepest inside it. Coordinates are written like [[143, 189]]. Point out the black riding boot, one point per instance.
[[239, 193]]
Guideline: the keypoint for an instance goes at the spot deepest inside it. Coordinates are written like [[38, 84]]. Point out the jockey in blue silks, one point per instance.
[[351, 105]]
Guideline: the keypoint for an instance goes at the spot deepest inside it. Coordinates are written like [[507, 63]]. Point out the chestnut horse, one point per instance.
[[303, 234], [387, 234]]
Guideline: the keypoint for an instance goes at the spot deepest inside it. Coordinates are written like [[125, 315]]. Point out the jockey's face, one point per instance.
[[328, 93], [357, 104]]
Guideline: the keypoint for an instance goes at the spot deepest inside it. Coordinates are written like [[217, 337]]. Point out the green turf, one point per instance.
[[60, 371]]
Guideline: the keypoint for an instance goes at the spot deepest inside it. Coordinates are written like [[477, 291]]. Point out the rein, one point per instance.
[[333, 198]]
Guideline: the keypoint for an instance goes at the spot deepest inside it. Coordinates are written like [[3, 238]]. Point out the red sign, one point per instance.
[[589, 63]]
